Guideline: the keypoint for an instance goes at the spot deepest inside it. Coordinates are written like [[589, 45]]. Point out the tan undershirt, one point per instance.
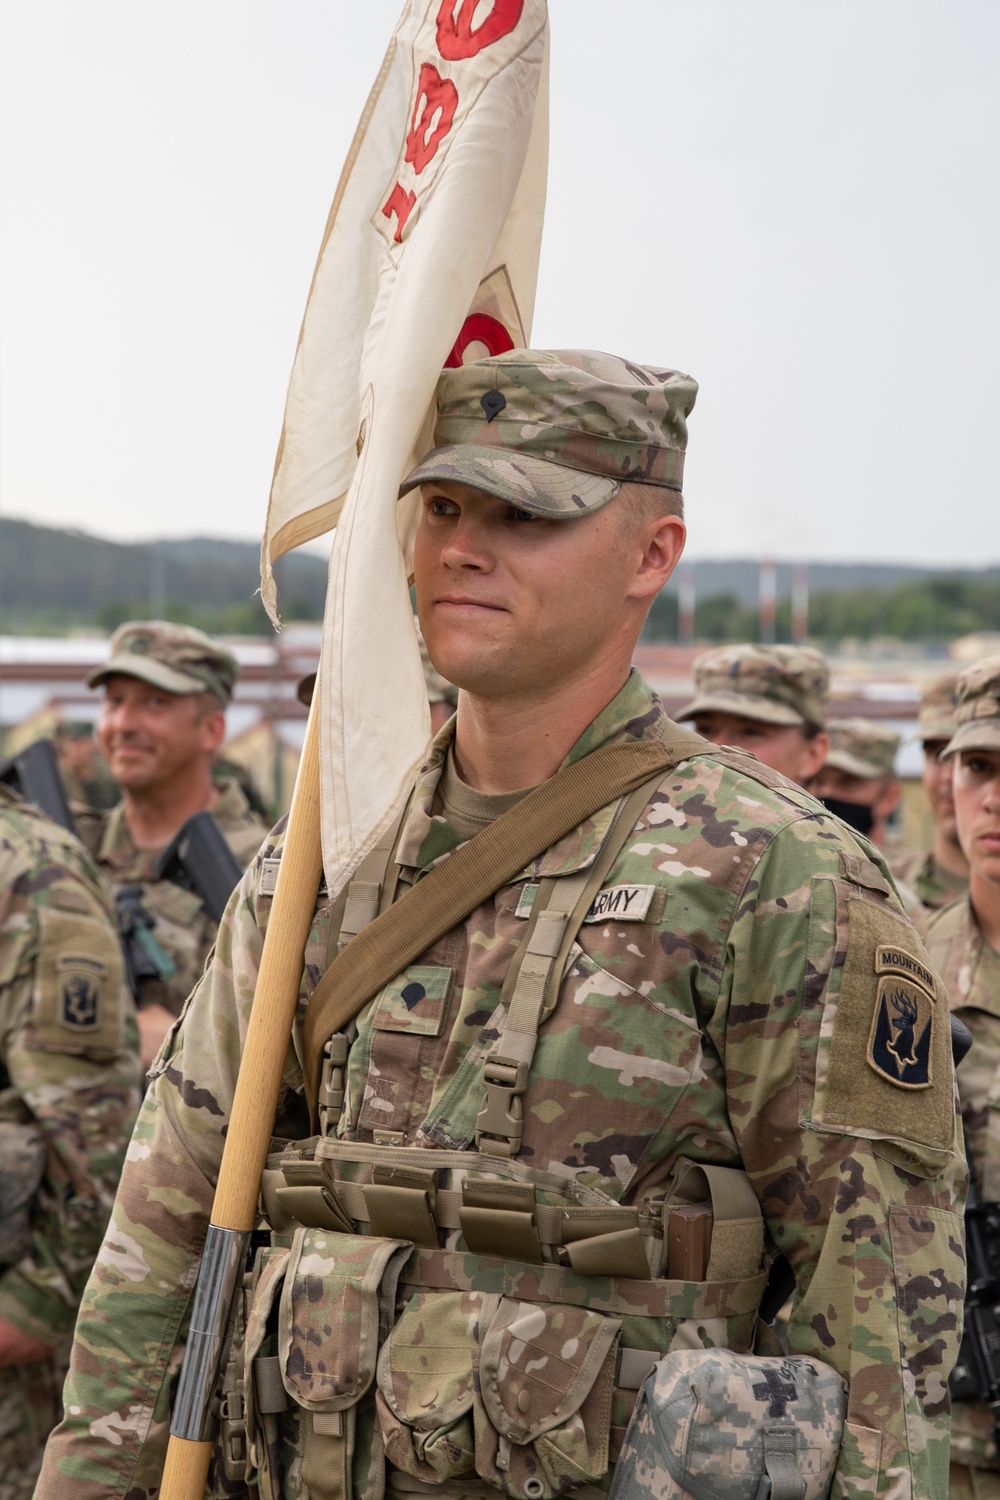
[[467, 810]]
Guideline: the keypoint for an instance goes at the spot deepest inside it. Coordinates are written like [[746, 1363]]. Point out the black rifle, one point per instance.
[[976, 1376], [199, 860], [34, 772]]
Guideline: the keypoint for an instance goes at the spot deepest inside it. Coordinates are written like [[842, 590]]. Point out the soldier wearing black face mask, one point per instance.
[[858, 780]]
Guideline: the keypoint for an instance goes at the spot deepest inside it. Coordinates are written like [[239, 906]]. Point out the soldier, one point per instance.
[[81, 765], [963, 940], [940, 874], [685, 998], [69, 1092], [166, 688], [768, 699], [858, 778]]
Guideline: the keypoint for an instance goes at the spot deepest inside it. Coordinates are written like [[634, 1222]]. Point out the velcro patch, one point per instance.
[[80, 980], [621, 903], [902, 1032], [891, 960], [527, 900], [414, 1001]]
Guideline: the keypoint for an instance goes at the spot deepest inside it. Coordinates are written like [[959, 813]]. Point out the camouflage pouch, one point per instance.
[[22, 1166], [336, 1303], [712, 1425], [517, 1392], [546, 1376], [426, 1386]]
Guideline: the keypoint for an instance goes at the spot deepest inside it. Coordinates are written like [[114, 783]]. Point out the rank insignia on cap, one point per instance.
[[899, 1045], [81, 996], [493, 403]]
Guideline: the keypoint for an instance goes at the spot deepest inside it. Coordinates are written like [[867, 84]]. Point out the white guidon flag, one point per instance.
[[429, 257]]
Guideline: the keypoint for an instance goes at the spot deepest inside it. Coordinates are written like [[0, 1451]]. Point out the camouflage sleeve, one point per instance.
[[70, 1049], [849, 1133], [134, 1313]]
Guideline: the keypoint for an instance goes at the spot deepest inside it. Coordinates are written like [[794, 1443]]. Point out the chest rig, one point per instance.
[[460, 1318]]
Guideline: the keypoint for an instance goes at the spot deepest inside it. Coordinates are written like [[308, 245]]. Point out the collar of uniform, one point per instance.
[[118, 850], [635, 713]]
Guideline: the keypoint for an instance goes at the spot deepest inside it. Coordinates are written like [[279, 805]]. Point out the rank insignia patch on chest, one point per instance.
[[899, 1044], [81, 996]]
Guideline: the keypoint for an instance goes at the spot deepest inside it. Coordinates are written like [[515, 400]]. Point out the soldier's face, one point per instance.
[[977, 807], [150, 738], [937, 785], [514, 605], [784, 747]]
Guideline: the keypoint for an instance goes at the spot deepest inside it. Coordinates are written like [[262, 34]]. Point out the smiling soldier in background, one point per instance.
[[162, 720]]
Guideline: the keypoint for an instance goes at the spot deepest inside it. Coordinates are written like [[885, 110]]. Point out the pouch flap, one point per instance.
[[538, 1364], [425, 1368], [328, 1321]]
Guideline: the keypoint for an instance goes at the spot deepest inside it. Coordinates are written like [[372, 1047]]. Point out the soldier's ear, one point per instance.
[[663, 540]]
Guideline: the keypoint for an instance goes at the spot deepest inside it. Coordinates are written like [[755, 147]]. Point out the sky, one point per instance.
[[796, 203]]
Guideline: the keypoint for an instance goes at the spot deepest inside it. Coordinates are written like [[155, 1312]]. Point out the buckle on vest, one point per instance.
[[331, 1082], [501, 1114], [233, 1436]]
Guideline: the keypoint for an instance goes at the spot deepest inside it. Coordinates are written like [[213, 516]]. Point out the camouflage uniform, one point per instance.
[[775, 684], [69, 1059], [743, 996], [970, 970], [183, 927]]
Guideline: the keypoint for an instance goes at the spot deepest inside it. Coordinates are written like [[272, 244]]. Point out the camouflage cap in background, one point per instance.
[[978, 713], [862, 747], [774, 684], [557, 432], [176, 658], [938, 719]]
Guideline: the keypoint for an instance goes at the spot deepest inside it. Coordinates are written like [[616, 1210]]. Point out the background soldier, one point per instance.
[[69, 1091], [938, 875], [963, 940], [768, 699], [858, 778], [674, 1001], [166, 688], [81, 765]]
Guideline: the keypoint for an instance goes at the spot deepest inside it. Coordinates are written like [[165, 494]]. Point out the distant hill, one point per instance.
[[740, 577], [52, 580]]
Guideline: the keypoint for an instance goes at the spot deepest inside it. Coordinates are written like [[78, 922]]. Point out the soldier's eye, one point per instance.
[[523, 515]]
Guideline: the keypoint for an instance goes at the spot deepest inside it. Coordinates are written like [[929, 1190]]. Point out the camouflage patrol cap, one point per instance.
[[557, 432], [978, 713], [938, 719], [862, 748], [709, 1423], [176, 658], [774, 684]]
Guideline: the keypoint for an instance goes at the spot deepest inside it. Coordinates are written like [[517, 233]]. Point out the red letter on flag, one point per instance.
[[455, 36], [479, 328], [435, 96], [399, 202]]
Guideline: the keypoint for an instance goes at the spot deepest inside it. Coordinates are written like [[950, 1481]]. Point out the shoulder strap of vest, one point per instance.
[[448, 893]]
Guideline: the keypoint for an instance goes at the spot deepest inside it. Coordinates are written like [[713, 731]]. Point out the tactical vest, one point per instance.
[[460, 1319]]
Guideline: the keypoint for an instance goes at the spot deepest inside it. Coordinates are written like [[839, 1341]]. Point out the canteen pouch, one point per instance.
[[712, 1425], [520, 1392], [336, 1305]]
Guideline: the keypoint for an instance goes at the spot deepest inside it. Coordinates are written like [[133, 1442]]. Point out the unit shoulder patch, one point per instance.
[[892, 960], [902, 1030]]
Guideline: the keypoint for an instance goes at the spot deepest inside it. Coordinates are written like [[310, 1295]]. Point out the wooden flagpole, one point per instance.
[[251, 1120]]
